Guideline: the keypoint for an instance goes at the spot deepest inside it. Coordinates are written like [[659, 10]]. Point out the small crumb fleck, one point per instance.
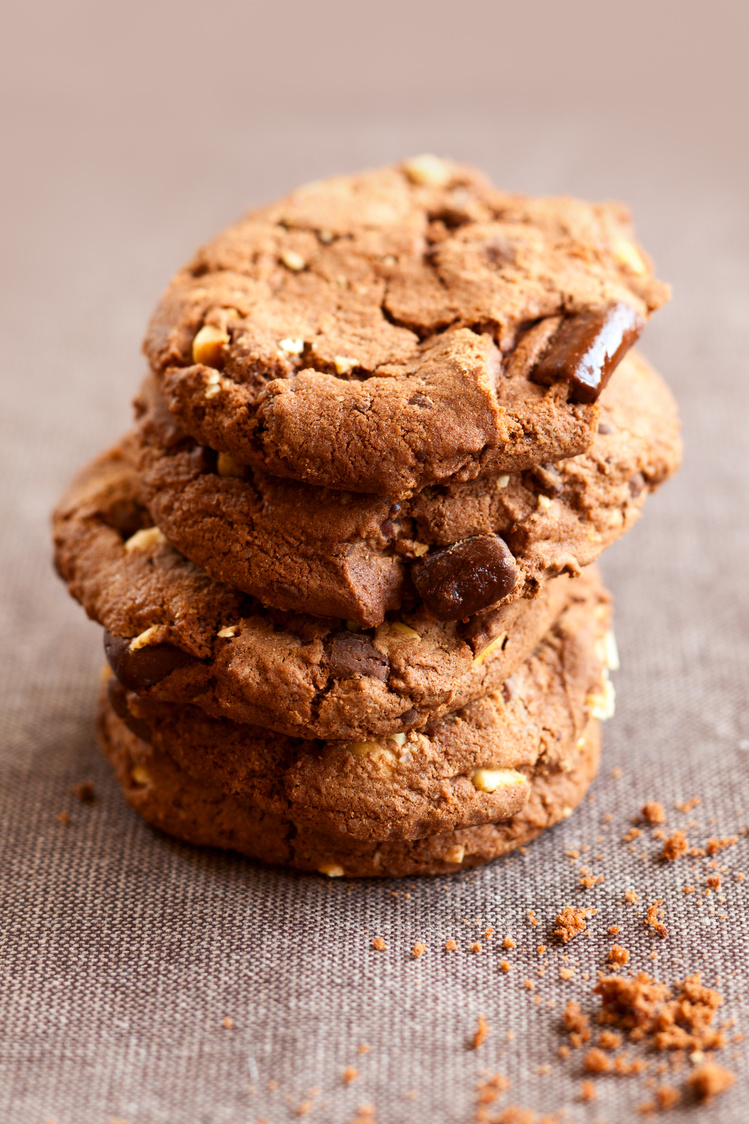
[[571, 922], [228, 1023], [653, 812], [541, 949], [450, 946], [631, 897], [504, 965], [350, 1074], [64, 818], [710, 1080], [418, 950], [675, 846], [655, 918], [614, 929], [618, 955], [566, 973], [476, 946], [85, 792], [508, 942], [587, 1090], [481, 1033], [529, 984], [532, 917], [595, 1061]]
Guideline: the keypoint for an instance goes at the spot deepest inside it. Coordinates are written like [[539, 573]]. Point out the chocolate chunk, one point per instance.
[[118, 701], [605, 429], [409, 716], [463, 579], [355, 655], [587, 349], [144, 667], [421, 400], [636, 484]]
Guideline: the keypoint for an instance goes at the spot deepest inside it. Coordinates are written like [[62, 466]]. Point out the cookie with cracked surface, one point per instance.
[[384, 332], [473, 766], [170, 799], [358, 557], [176, 635]]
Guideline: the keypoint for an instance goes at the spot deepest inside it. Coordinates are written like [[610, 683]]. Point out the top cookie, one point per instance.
[[395, 329]]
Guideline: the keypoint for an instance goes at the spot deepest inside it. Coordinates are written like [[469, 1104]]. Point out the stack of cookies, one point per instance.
[[340, 558]]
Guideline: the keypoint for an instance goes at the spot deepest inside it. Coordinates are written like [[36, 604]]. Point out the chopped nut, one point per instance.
[[627, 254], [208, 346], [489, 780], [455, 854], [502, 481], [490, 648], [291, 346], [427, 170], [344, 364], [227, 466], [228, 632], [332, 870], [376, 751], [405, 630], [293, 261], [140, 776], [602, 704], [143, 639], [144, 539]]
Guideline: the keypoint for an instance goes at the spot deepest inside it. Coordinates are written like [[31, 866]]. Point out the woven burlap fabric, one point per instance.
[[121, 952]]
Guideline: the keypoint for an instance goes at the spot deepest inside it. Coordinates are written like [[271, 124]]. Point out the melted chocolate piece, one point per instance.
[[144, 667], [587, 348], [636, 484], [355, 655], [463, 579], [118, 701]]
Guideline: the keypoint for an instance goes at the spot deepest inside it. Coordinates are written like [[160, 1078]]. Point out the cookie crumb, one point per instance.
[[350, 1074], [64, 818], [481, 1033], [710, 1080], [618, 955], [418, 950], [379, 944], [85, 792], [653, 812], [715, 845], [654, 918], [476, 946], [532, 917], [508, 942], [504, 965], [450, 946], [675, 846], [227, 1023], [631, 897], [566, 973], [614, 929], [588, 1090], [571, 922], [595, 1061]]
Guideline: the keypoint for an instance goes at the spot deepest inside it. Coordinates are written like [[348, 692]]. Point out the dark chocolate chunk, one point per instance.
[[463, 579], [587, 348], [118, 701], [144, 667], [409, 716], [636, 484], [355, 655], [421, 400], [605, 429]]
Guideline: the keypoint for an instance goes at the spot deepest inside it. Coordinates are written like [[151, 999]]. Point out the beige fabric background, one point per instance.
[[130, 133]]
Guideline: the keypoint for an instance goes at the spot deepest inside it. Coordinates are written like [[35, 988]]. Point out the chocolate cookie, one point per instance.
[[170, 799], [396, 329], [473, 766], [358, 557], [174, 635]]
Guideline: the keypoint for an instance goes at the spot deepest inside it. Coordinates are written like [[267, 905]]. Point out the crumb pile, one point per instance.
[[343, 557]]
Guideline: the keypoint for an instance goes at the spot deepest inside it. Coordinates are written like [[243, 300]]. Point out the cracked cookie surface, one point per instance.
[[378, 332]]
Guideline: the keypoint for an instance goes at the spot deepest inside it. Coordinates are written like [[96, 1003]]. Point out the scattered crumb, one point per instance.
[[571, 922], [687, 805], [675, 846], [532, 917], [566, 973], [595, 1061], [654, 918], [488, 933], [504, 965], [64, 818], [587, 1090], [631, 897], [689, 889], [481, 1033], [228, 1023], [716, 845], [714, 881], [618, 955], [529, 984], [418, 950], [614, 929], [379, 944], [541, 949], [450, 946], [508, 942], [609, 1040], [633, 833], [85, 792], [653, 812], [710, 1080], [364, 1049], [350, 1074]]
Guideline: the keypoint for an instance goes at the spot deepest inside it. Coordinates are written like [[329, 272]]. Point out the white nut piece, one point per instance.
[[455, 854], [293, 261], [228, 632], [375, 750], [140, 776], [405, 631], [213, 385], [502, 481], [143, 639], [427, 170], [292, 347], [208, 346], [144, 539], [611, 651], [227, 466], [627, 254], [489, 650], [490, 780], [602, 704], [544, 502], [332, 870], [343, 364]]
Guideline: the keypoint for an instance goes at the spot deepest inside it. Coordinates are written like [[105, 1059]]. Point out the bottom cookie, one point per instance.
[[196, 813]]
